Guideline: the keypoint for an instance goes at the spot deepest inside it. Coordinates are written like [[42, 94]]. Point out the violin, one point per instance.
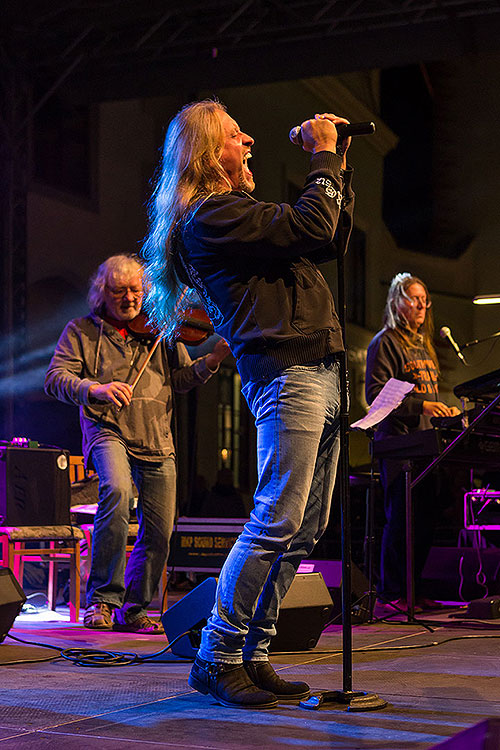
[[140, 328], [194, 329]]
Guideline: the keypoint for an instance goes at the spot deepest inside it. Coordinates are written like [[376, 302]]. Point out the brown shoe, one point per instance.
[[264, 677], [229, 684], [98, 616], [142, 625]]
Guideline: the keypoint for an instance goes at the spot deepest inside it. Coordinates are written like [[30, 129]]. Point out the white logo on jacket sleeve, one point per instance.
[[330, 190]]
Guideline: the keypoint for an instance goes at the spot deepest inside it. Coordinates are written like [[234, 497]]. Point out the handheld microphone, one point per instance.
[[343, 130], [445, 333]]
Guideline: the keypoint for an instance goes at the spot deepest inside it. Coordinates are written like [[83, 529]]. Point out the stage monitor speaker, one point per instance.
[[12, 598], [484, 609], [303, 615], [34, 486], [304, 612], [482, 736], [331, 570], [189, 615]]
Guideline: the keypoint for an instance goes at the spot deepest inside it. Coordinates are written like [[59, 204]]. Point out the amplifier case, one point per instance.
[[34, 487], [482, 510]]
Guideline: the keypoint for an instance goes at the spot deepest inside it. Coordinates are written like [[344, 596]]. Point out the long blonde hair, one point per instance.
[[189, 171], [394, 320]]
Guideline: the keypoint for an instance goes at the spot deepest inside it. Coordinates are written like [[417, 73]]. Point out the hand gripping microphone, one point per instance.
[[445, 333], [343, 130]]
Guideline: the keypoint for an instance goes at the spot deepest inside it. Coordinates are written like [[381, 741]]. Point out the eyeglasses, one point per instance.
[[123, 290], [414, 301]]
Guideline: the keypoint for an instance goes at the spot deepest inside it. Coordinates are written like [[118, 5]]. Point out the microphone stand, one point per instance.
[[369, 541], [480, 341], [355, 700]]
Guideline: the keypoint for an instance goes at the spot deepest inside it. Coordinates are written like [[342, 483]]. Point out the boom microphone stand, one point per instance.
[[479, 341], [355, 700]]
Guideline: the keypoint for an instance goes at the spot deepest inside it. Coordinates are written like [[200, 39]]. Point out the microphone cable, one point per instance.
[[93, 657]]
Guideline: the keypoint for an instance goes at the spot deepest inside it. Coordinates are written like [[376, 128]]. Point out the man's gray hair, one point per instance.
[[116, 265]]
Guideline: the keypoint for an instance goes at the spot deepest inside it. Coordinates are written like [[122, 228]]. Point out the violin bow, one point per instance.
[[146, 361]]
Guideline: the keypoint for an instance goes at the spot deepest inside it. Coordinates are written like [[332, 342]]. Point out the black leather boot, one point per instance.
[[229, 684], [263, 675]]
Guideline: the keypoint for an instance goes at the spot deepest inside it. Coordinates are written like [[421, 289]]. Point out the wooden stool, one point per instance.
[[52, 543]]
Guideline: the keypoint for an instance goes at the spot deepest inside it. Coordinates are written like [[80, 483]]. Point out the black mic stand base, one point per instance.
[[354, 700]]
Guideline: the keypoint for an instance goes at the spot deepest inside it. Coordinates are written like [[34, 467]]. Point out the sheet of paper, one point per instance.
[[387, 400]]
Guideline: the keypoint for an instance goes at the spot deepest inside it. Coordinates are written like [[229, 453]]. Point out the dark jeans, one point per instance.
[[392, 581], [132, 587]]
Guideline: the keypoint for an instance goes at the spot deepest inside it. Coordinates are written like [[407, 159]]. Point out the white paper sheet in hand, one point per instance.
[[387, 400]]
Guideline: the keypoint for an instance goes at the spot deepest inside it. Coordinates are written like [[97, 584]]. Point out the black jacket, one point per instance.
[[254, 265]]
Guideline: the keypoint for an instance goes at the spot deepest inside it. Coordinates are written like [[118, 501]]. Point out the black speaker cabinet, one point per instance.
[[482, 736], [304, 612], [189, 614], [484, 609], [12, 598], [34, 486], [331, 570]]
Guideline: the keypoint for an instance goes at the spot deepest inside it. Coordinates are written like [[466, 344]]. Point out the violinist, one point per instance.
[[127, 437]]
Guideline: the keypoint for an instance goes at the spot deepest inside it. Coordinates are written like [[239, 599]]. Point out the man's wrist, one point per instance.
[[327, 146], [212, 363]]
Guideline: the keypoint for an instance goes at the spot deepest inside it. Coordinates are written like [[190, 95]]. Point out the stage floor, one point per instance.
[[433, 691]]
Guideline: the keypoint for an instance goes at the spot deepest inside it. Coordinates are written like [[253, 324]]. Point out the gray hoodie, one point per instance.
[[91, 351]]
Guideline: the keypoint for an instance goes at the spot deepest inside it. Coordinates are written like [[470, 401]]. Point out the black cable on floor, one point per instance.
[[366, 649], [92, 657], [28, 661], [88, 657], [31, 661]]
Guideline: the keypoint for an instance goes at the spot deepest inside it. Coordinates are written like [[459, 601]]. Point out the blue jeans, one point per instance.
[[132, 587], [297, 420]]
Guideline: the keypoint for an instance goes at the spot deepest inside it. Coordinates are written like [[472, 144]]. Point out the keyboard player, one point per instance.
[[404, 349]]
